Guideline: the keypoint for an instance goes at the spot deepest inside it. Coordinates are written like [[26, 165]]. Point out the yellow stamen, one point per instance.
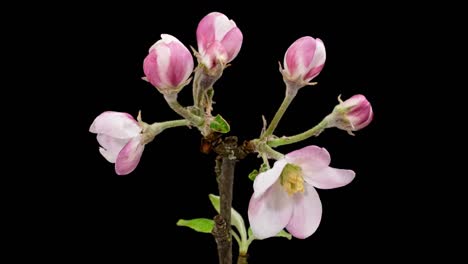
[[291, 179]]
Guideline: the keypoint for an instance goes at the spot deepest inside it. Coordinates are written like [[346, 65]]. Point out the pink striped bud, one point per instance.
[[219, 40], [168, 65], [303, 61], [351, 115]]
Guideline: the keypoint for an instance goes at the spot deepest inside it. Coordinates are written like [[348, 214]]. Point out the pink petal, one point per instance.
[[222, 25], [115, 124], [163, 55], [307, 213], [329, 178], [129, 157], [151, 68], [111, 146], [313, 73], [299, 56], [354, 100], [271, 212], [310, 158], [265, 179], [318, 61], [206, 31], [232, 43], [214, 53], [180, 65]]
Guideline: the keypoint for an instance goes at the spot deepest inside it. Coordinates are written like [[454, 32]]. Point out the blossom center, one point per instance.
[[291, 179]]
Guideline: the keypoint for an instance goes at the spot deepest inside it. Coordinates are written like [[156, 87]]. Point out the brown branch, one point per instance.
[[228, 153], [223, 240]]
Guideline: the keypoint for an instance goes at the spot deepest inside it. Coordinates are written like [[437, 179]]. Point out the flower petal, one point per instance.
[[271, 212], [129, 157], [180, 65], [310, 158], [222, 25], [265, 179], [318, 61], [307, 213], [110, 147], [329, 178], [206, 31], [232, 43], [115, 124]]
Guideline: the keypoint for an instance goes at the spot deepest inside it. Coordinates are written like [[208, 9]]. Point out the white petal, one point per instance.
[[329, 178], [115, 124], [307, 213], [271, 212], [265, 179], [309, 158], [163, 59], [111, 146], [319, 55], [222, 25]]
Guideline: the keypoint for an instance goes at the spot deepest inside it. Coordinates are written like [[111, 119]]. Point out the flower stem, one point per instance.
[[242, 259], [170, 124], [171, 100], [263, 148], [315, 131], [290, 94]]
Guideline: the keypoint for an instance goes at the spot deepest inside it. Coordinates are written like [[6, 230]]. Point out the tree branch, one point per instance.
[[228, 153]]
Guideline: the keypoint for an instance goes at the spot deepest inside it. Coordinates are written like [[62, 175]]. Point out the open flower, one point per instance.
[[219, 40], [285, 197], [303, 61], [119, 135], [168, 65]]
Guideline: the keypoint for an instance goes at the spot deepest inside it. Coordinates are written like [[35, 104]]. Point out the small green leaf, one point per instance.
[[214, 201], [282, 233], [253, 175], [203, 225], [285, 234], [220, 125], [264, 167]]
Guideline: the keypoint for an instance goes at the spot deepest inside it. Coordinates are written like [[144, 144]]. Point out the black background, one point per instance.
[[92, 214]]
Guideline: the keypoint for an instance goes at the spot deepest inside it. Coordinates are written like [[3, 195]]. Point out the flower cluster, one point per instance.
[[285, 195]]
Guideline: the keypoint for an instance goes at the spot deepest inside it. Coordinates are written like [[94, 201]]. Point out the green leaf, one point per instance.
[[215, 202], [264, 167], [203, 225], [282, 233], [253, 175], [220, 125], [285, 234]]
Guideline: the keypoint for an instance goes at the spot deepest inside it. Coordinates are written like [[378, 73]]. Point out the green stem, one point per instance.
[[238, 239], [170, 124], [290, 94], [271, 153], [196, 90], [315, 131], [171, 100]]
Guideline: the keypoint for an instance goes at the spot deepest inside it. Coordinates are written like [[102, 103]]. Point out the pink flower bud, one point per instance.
[[304, 60], [351, 115], [219, 40], [168, 65]]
